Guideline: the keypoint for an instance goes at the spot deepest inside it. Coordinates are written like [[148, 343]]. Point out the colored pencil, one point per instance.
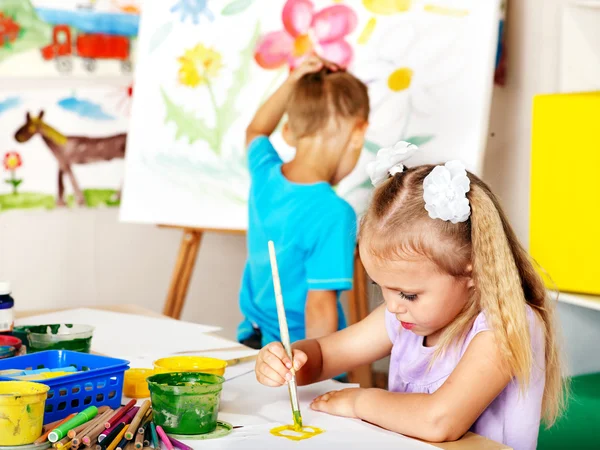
[[122, 444], [117, 440], [135, 423], [139, 441], [52, 426], [126, 419], [121, 412], [111, 436], [147, 436], [95, 430], [79, 435], [145, 421], [155, 441], [179, 445], [285, 337], [61, 431], [163, 437], [61, 443]]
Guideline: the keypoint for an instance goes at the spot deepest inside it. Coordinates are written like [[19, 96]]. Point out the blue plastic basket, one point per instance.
[[99, 381]]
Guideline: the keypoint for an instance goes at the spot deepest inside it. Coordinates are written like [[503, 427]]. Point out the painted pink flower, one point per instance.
[[305, 31]]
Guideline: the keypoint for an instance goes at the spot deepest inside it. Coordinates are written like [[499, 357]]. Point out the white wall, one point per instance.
[[73, 258]]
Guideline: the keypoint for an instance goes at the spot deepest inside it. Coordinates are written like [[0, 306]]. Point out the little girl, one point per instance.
[[466, 318]]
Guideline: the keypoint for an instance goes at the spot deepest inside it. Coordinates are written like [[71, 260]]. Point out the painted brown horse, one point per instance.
[[69, 150]]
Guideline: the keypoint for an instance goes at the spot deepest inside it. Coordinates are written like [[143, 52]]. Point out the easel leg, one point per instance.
[[358, 302], [188, 251]]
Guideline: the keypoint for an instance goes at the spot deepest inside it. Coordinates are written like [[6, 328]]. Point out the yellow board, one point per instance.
[[565, 190]]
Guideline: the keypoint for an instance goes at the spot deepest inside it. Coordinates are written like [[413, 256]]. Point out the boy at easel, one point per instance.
[[294, 203]]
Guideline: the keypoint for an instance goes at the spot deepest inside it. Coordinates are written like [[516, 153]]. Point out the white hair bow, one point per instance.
[[445, 192], [389, 161]]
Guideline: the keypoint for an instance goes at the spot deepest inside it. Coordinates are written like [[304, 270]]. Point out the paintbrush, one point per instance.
[[285, 338]]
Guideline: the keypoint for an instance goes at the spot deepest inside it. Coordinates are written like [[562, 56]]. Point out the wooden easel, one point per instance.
[[184, 267]]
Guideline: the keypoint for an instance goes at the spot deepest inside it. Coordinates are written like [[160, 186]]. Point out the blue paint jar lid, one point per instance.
[[6, 301]]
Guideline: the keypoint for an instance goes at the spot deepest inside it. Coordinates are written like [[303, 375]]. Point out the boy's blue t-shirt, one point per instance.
[[314, 232]]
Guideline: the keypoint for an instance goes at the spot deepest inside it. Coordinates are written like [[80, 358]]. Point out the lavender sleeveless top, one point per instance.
[[512, 419]]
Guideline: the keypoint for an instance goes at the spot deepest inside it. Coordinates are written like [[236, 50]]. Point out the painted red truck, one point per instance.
[[90, 47]]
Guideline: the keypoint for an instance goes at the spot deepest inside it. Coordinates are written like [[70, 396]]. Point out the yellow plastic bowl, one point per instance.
[[190, 364], [135, 384], [22, 407]]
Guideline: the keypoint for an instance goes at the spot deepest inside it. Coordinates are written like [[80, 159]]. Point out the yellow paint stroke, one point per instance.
[[387, 7], [445, 11], [367, 31], [288, 432]]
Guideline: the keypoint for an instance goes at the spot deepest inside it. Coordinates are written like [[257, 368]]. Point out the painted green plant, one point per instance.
[[199, 66]]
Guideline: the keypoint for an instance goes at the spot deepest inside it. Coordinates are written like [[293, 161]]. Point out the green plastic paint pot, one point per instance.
[[61, 336], [186, 403]]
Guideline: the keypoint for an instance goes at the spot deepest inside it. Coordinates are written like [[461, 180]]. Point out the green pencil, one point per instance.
[[61, 431]]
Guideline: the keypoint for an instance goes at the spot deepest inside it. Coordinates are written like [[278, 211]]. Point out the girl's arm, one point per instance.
[[445, 415], [323, 358]]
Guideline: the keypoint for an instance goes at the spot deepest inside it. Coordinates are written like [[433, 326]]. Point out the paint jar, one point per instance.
[[7, 307], [135, 384], [10, 346], [76, 338], [21, 411], [186, 403], [190, 364]]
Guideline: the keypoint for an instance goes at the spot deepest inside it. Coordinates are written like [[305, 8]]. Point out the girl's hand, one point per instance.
[[273, 367], [312, 64], [338, 403]]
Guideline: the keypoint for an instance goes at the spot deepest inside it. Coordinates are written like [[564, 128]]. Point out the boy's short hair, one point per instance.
[[321, 96]]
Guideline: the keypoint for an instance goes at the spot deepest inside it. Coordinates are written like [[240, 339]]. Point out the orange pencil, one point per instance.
[[50, 427]]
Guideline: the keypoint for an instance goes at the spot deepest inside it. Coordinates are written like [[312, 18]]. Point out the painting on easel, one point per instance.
[[50, 38], [204, 67], [62, 148]]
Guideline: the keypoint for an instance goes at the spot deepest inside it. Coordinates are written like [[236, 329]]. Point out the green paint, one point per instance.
[[236, 7], [297, 421], [32, 200], [46, 337], [26, 200], [186, 403]]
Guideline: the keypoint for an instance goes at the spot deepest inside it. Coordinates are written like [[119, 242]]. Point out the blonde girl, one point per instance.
[[466, 320]]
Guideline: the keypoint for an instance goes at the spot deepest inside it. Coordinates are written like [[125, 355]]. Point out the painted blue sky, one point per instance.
[[84, 108], [9, 103]]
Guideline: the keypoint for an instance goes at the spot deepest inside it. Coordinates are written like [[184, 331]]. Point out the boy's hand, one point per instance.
[[273, 367], [311, 64]]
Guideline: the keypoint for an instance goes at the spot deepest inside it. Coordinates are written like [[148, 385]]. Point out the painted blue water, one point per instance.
[[92, 22]]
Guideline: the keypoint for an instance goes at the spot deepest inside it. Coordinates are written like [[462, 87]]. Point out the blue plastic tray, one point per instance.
[[99, 382]]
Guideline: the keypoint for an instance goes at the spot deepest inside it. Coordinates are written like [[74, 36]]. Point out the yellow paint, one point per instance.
[[400, 79], [289, 432], [387, 7], [190, 364], [52, 134], [198, 65], [302, 45], [564, 216], [21, 411], [446, 11], [367, 31]]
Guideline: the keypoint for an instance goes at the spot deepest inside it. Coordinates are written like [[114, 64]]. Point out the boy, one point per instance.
[[294, 204]]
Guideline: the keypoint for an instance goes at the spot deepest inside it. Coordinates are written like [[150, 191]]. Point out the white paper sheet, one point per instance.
[[126, 335], [258, 409]]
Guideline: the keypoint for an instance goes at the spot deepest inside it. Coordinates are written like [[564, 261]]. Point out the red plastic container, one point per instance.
[[9, 346]]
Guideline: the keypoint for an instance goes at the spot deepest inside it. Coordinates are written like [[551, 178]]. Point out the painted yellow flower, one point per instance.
[[198, 65], [387, 7]]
